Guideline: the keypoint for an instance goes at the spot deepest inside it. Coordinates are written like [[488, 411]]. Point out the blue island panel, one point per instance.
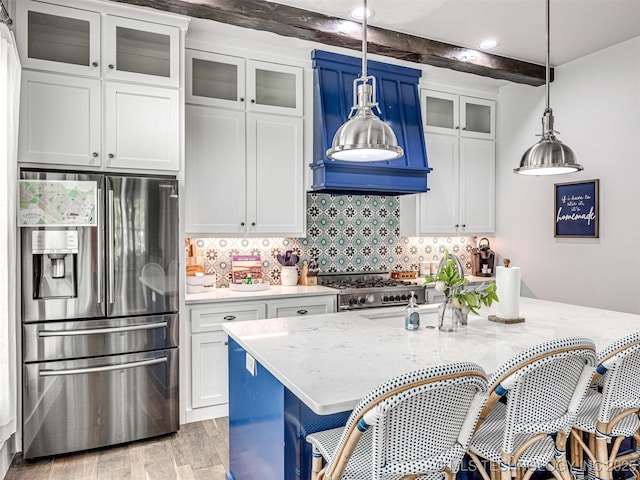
[[268, 425], [256, 419]]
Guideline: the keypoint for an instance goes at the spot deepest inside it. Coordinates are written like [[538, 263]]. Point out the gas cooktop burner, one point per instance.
[[370, 289], [367, 283]]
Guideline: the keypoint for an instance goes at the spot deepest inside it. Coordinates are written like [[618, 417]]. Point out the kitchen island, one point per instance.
[[293, 376]]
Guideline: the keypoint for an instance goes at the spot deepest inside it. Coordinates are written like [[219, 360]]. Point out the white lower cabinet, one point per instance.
[[209, 369], [209, 344], [292, 307]]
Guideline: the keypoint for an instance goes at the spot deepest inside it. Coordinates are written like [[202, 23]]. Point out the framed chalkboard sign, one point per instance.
[[576, 209]]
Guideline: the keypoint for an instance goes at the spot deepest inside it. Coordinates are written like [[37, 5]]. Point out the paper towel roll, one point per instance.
[[508, 290]]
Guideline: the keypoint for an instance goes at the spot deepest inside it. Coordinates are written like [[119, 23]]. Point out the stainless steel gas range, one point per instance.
[[371, 289]]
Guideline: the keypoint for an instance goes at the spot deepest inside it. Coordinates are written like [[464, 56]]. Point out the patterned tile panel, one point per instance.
[[345, 233]]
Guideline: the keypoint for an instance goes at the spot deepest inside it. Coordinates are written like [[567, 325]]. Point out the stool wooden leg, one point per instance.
[[316, 464], [577, 454], [602, 467]]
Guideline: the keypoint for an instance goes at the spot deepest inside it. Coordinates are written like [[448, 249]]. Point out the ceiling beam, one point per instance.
[[316, 27]]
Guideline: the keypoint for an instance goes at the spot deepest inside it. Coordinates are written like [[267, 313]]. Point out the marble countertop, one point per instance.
[[331, 361], [274, 291]]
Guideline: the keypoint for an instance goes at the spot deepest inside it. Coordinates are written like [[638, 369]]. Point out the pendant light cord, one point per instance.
[[547, 72], [364, 41]]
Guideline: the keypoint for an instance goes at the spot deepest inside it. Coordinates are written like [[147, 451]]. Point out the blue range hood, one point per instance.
[[399, 100]]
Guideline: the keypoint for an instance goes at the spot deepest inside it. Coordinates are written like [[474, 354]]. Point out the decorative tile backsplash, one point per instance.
[[346, 233]]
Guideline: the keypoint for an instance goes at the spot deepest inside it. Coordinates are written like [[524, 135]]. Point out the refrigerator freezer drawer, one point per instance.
[[82, 404], [91, 338]]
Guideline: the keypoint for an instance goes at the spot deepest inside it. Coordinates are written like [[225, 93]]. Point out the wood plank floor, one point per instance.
[[198, 451]]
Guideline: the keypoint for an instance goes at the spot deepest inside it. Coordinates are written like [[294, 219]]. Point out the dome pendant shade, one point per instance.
[[549, 156], [364, 137]]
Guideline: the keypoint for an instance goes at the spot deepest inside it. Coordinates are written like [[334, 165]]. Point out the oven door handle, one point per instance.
[[107, 368], [97, 331]]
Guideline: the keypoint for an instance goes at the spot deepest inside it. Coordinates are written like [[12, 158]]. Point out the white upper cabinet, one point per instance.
[[215, 80], [244, 147], [137, 51], [68, 40], [99, 90], [234, 82], [60, 120], [141, 127], [274, 88], [459, 133], [452, 114], [56, 38], [215, 194]]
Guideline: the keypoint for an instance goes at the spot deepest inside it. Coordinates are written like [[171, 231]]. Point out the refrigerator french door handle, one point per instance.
[[100, 271], [107, 368], [110, 227], [96, 331]]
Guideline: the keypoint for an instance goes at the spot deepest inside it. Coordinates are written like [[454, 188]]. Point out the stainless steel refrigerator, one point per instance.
[[99, 309]]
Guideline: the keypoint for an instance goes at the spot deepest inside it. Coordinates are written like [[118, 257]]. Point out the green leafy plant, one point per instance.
[[449, 281]]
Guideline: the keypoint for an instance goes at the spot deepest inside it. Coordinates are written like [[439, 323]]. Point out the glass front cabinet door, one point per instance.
[[452, 114], [214, 79], [233, 82], [144, 52], [55, 38]]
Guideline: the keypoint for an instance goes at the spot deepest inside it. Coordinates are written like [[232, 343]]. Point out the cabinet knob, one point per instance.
[[94, 64], [242, 99], [457, 127], [464, 225], [253, 224], [226, 343], [302, 311], [457, 225], [111, 155], [111, 67], [242, 224], [228, 318], [253, 101], [464, 128], [94, 154]]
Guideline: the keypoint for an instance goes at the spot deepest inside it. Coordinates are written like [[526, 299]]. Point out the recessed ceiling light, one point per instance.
[[488, 44], [358, 13]]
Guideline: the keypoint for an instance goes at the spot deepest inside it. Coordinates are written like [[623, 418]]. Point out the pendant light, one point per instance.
[[549, 156], [364, 137]]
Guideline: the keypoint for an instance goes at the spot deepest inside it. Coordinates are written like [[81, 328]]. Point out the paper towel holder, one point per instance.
[[494, 318]]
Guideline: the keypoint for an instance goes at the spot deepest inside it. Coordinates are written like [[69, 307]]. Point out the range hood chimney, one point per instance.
[[399, 101]]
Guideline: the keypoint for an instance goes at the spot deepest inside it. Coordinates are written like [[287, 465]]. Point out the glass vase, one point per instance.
[[448, 318]]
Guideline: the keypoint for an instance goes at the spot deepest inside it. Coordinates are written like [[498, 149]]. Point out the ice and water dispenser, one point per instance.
[[55, 254]]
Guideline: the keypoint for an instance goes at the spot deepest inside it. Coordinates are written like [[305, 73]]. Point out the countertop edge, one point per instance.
[[222, 295]]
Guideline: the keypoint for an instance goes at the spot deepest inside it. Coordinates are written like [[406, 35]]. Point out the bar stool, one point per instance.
[[533, 401], [416, 425], [609, 413]]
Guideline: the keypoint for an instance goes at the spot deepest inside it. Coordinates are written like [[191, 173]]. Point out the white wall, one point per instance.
[[596, 102]]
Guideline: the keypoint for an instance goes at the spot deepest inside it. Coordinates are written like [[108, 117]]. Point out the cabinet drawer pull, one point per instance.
[[228, 318], [302, 311]]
